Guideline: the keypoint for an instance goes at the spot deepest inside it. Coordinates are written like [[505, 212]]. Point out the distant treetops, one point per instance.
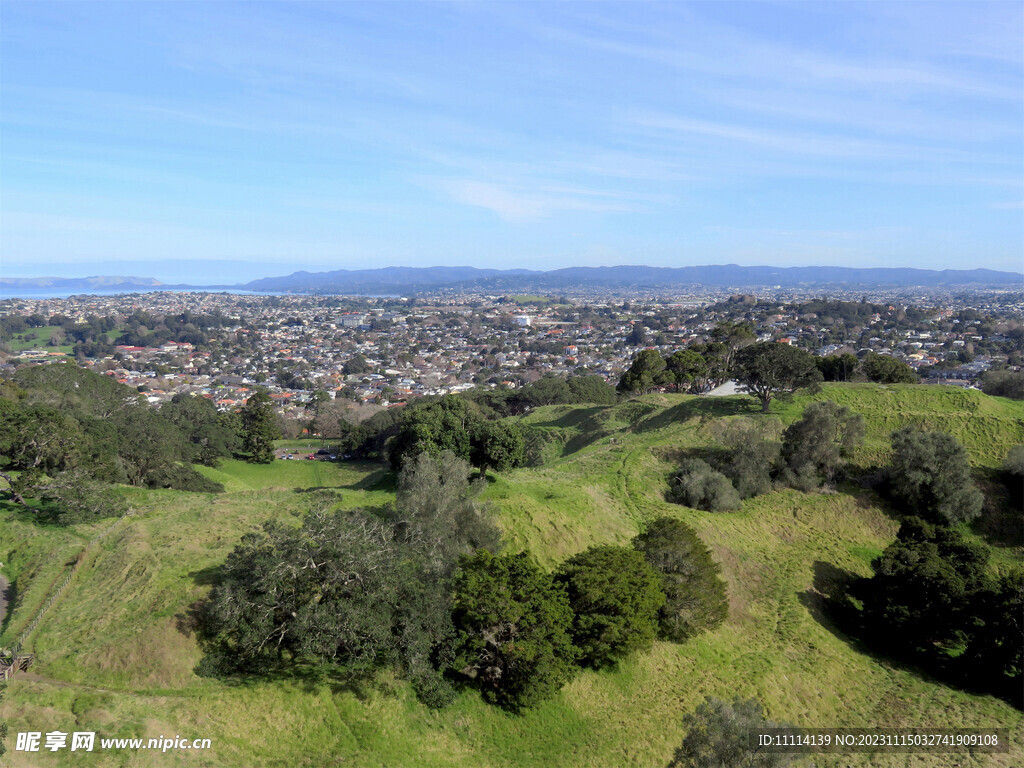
[[766, 370], [69, 434]]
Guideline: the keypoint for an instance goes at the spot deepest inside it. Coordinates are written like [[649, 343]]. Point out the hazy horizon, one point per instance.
[[190, 142]]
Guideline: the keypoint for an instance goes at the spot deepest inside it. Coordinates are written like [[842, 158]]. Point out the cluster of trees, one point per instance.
[[930, 477], [548, 390], [468, 424], [429, 425], [453, 424], [766, 370], [935, 600], [424, 588], [143, 329], [92, 336], [696, 369], [883, 369], [811, 452], [1004, 383], [66, 434], [353, 588]]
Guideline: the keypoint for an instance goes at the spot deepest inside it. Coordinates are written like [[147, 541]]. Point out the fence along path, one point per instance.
[[12, 660]]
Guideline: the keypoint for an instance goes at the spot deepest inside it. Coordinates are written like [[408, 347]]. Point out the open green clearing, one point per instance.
[[115, 654], [42, 336]]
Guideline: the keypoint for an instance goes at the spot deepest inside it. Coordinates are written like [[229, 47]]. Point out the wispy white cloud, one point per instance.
[[520, 205]]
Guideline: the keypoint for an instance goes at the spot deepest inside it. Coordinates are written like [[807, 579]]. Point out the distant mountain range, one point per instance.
[[79, 283], [411, 280]]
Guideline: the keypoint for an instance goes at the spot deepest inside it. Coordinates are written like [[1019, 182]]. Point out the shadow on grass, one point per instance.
[[310, 676], [829, 602], [361, 682], [206, 577], [8, 598], [582, 440], [704, 408], [1002, 518], [574, 418], [381, 479], [37, 512]]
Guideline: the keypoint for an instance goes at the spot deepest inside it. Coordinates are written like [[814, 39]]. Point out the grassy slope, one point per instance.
[[114, 658]]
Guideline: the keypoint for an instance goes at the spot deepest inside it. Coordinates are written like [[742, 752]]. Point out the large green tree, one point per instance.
[[842, 367], [769, 370], [646, 372], [322, 591], [259, 427], [496, 445], [695, 597], [206, 433], [734, 335], [995, 651], [433, 427], [435, 512], [1005, 383], [689, 371], [815, 445], [930, 476], [925, 584], [615, 596], [886, 369], [513, 623]]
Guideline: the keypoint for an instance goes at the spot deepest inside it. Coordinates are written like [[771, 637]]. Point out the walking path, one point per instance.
[[4, 597]]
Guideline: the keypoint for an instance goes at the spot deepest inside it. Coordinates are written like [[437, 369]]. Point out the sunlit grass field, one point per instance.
[[116, 654]]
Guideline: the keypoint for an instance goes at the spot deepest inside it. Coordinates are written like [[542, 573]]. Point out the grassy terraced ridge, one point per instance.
[[116, 656]]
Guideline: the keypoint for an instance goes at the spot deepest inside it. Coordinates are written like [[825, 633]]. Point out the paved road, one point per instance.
[[728, 388]]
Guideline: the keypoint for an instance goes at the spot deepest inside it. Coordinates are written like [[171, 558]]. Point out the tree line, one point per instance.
[[67, 435], [752, 460], [425, 587], [468, 424], [765, 370]]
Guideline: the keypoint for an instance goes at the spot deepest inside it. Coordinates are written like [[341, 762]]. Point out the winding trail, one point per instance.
[[5, 589]]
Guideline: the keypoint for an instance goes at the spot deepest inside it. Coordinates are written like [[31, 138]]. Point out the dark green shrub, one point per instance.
[[695, 597], [930, 477], [697, 485], [615, 596]]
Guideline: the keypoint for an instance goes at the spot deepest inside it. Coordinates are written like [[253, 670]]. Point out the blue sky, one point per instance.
[[226, 141]]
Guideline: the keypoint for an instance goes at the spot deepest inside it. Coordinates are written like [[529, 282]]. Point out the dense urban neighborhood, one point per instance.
[[390, 350]]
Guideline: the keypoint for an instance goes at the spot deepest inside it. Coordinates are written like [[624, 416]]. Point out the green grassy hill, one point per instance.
[[116, 653]]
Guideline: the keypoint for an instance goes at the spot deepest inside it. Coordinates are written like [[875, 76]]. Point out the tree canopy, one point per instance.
[[719, 734], [696, 484], [886, 369], [769, 370], [695, 597], [646, 372], [615, 597], [513, 623], [930, 477], [923, 588], [814, 446], [259, 427]]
